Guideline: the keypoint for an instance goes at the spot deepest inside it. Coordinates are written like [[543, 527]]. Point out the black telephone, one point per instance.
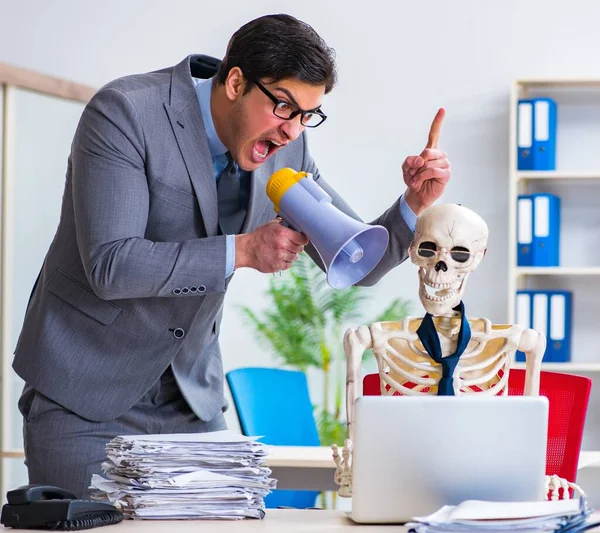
[[46, 507]]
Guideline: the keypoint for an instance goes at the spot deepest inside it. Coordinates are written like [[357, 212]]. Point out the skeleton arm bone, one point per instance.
[[533, 344], [355, 343]]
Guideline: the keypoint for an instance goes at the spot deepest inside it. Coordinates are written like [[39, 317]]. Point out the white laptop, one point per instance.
[[412, 455]]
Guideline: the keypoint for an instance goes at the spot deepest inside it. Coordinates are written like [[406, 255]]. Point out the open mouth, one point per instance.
[[264, 148], [440, 292]]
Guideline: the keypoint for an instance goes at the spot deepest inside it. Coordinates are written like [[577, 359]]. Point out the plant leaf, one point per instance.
[[303, 326]]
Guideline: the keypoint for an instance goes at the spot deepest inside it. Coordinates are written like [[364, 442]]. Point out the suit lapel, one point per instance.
[[184, 114]]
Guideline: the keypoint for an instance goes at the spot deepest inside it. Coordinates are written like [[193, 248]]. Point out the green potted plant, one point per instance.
[[304, 325]]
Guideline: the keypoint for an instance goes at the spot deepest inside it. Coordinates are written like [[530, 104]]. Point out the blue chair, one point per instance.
[[275, 403]]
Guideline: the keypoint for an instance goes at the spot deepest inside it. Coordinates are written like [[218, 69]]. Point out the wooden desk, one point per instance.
[[276, 521], [312, 467]]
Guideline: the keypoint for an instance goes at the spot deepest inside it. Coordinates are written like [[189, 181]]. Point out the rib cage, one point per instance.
[[405, 368]]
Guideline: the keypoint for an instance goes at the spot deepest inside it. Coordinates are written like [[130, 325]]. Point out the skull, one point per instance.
[[450, 242]]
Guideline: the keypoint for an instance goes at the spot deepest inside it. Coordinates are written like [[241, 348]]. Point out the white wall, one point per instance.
[[398, 62]]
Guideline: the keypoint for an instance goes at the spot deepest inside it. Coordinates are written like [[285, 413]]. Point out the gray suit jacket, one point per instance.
[[134, 279]]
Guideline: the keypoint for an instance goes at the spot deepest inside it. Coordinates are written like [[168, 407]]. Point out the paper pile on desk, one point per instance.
[[492, 517], [218, 475]]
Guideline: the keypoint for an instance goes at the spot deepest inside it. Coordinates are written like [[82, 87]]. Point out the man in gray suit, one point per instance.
[[164, 200]]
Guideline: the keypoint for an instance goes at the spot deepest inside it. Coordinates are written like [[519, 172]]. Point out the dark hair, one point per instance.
[[278, 47]]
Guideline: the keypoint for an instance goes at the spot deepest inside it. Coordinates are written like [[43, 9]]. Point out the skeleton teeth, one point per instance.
[[429, 292], [444, 292], [441, 285], [435, 292]]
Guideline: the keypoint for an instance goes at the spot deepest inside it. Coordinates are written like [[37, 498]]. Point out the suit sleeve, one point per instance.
[[400, 234], [111, 202]]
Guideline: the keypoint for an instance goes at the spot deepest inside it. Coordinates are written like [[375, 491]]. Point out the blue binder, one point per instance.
[[525, 134], [548, 312], [522, 316], [558, 348], [546, 230], [536, 134], [524, 230], [544, 134]]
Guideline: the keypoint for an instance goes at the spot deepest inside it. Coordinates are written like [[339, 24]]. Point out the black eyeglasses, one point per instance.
[[287, 111]]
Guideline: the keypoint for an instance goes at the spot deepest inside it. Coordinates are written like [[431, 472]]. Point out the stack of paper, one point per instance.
[[491, 517], [219, 475]]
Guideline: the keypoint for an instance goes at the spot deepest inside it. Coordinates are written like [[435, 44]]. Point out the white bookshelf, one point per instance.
[[525, 175], [531, 83], [557, 271], [569, 368], [577, 182], [572, 176]]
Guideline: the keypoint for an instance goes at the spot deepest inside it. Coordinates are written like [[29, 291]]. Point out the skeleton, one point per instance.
[[449, 243]]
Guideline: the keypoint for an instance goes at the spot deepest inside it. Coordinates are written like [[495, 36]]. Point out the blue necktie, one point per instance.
[[431, 342], [231, 212]]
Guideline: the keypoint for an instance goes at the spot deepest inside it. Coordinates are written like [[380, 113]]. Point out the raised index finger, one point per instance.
[[436, 128]]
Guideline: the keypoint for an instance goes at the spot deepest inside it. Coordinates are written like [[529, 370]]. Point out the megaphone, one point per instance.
[[348, 248]]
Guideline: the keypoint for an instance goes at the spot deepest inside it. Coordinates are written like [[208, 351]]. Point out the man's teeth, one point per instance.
[[440, 292], [263, 154]]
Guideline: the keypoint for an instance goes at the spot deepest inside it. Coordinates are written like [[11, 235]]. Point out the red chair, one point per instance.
[[568, 397], [371, 385]]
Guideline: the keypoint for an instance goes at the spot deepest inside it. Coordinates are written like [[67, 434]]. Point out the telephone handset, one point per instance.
[[47, 507]]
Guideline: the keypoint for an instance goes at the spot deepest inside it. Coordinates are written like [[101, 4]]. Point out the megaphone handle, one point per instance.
[[277, 274], [284, 223]]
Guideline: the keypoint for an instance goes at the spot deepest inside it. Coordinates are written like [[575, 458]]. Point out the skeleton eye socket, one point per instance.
[[427, 249], [460, 254]]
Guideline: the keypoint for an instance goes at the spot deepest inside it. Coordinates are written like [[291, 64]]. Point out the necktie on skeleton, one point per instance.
[[431, 342]]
